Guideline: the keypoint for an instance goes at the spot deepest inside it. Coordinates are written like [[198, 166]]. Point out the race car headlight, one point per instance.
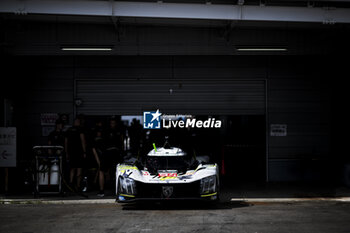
[[127, 186], [208, 185]]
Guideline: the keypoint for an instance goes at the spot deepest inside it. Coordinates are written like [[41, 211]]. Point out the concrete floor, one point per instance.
[[308, 217]]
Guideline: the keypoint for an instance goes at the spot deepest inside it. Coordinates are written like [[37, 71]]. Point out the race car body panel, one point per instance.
[[166, 174]]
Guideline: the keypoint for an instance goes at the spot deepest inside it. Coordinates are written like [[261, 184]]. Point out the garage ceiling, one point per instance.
[[264, 11], [32, 27]]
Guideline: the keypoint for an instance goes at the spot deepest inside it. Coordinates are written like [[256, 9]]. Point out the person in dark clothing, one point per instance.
[[114, 141], [56, 137], [136, 136], [98, 126], [75, 146], [86, 131], [103, 161], [88, 135], [107, 151]]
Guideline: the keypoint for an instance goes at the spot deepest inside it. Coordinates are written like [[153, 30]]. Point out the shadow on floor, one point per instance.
[[185, 205]]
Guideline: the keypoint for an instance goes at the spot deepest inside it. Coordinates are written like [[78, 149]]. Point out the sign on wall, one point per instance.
[[7, 147], [279, 130], [48, 119]]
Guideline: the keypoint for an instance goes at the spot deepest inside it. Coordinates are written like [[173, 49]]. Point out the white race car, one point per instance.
[[167, 174]]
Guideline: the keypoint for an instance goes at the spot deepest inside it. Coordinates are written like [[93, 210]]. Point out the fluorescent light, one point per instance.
[[86, 49], [262, 49]]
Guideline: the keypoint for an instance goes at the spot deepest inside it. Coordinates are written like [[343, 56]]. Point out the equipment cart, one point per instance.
[[48, 169]]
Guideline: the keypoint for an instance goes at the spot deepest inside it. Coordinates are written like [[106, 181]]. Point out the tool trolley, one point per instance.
[[48, 169]]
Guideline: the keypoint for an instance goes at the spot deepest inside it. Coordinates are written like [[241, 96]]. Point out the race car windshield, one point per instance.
[[156, 163]]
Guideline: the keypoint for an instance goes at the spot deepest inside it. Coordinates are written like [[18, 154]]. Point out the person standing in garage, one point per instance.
[[113, 139], [136, 136], [75, 146], [102, 159], [56, 137]]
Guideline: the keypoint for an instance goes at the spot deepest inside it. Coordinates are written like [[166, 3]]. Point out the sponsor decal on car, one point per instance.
[[145, 173], [168, 178], [190, 172], [123, 168], [164, 174]]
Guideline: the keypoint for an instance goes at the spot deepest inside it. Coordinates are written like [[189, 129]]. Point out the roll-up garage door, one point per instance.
[[198, 97]]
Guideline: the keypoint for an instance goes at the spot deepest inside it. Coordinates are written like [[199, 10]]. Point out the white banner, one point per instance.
[[7, 147]]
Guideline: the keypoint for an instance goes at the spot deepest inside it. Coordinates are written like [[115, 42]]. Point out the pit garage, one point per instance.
[[273, 72], [251, 94], [232, 101]]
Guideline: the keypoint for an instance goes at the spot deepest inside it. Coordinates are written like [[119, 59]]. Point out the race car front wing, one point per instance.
[[204, 189]]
